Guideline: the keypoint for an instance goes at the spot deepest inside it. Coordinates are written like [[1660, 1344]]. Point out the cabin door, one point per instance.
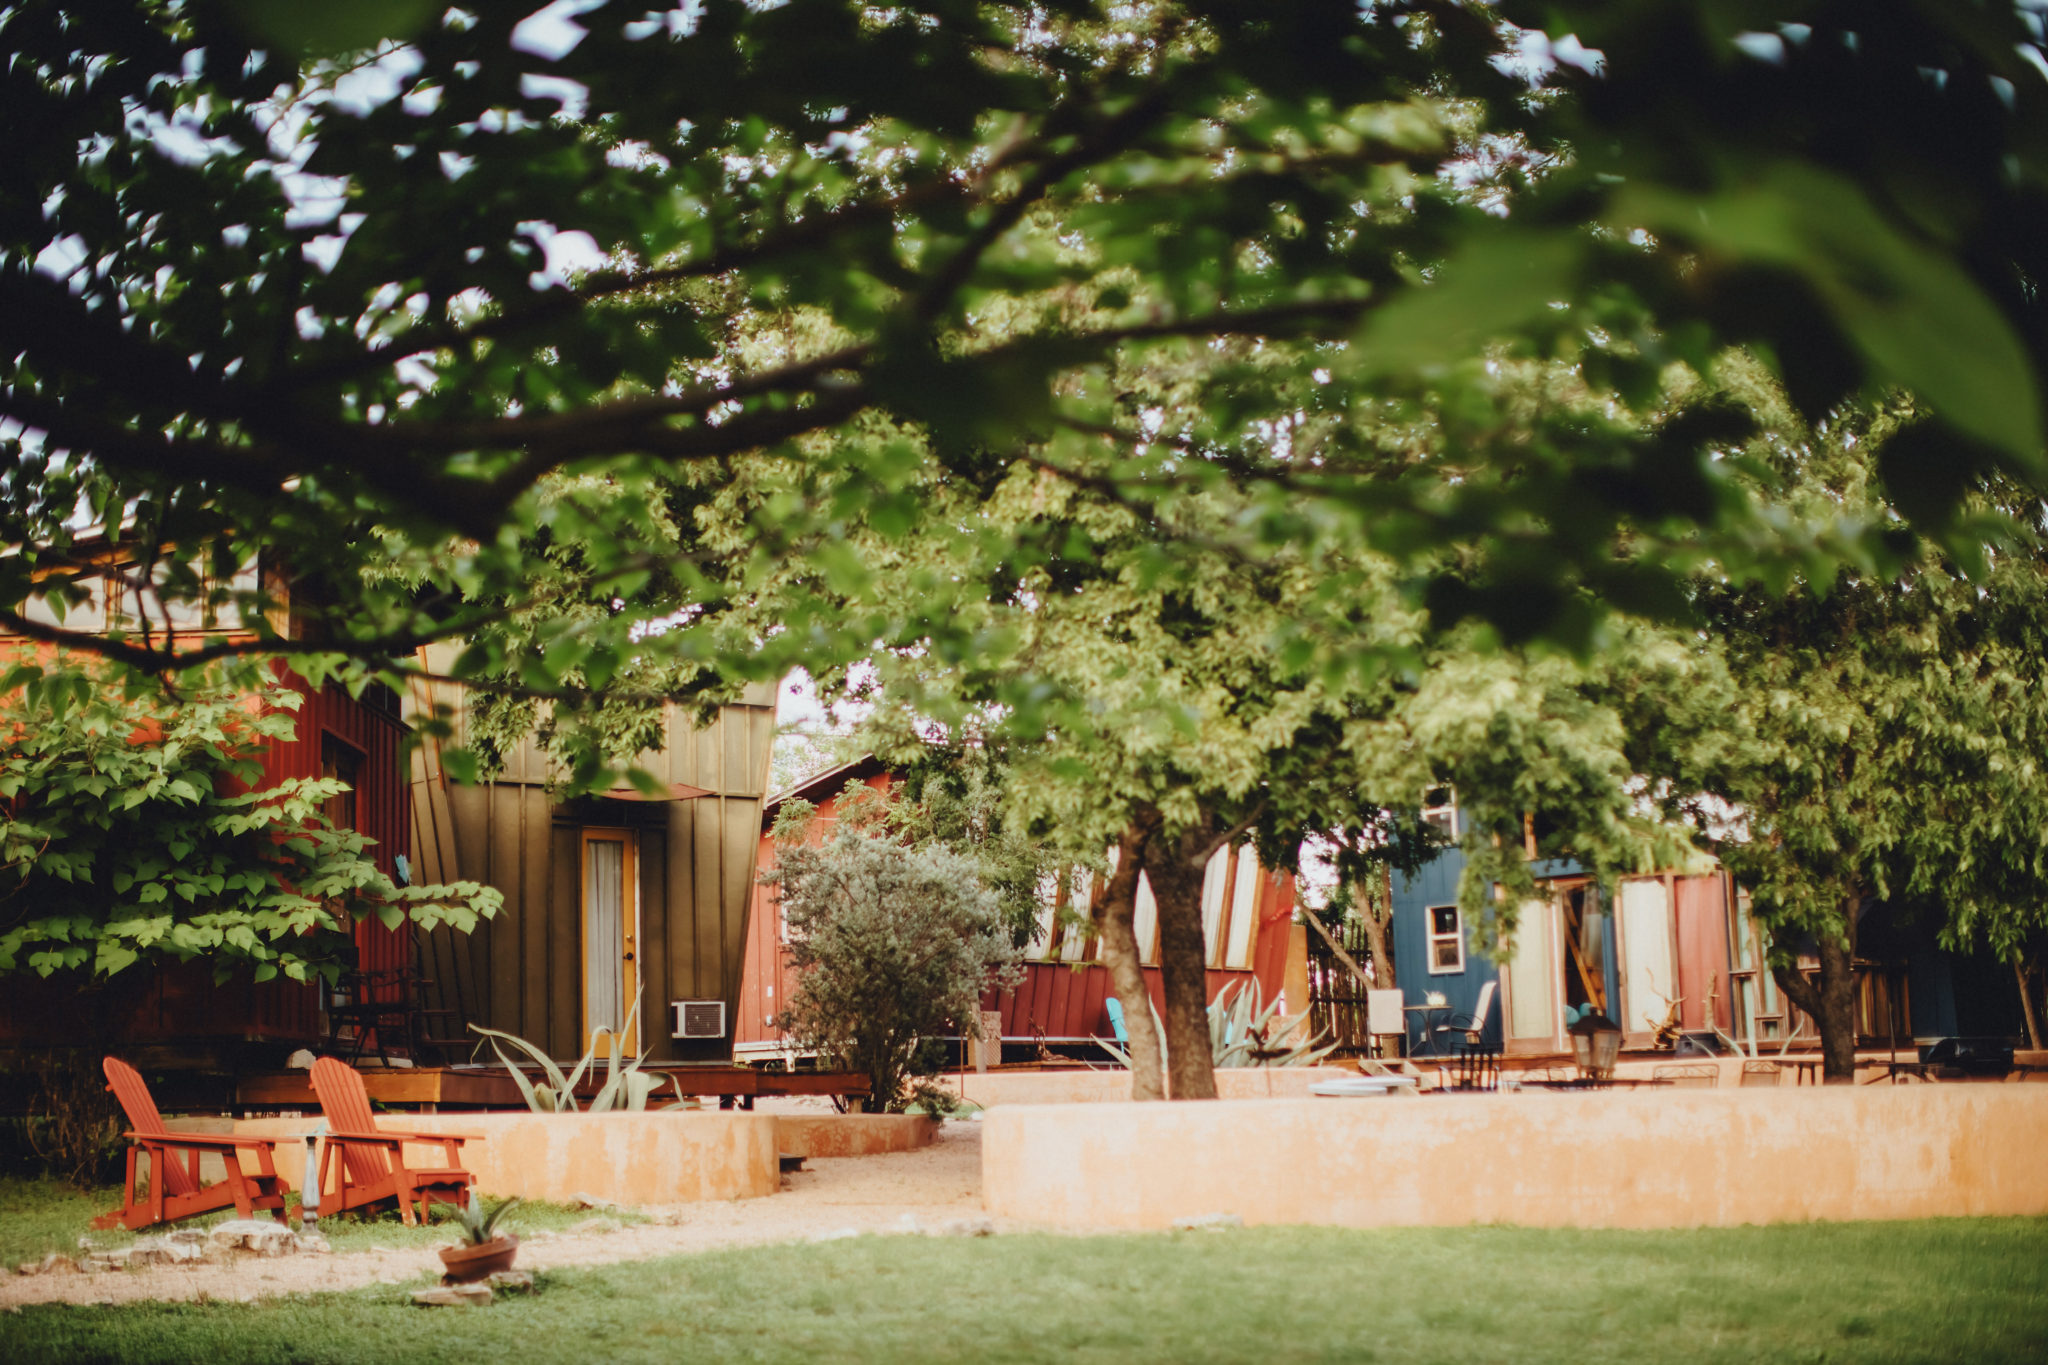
[[1649, 984], [611, 935], [1532, 1017]]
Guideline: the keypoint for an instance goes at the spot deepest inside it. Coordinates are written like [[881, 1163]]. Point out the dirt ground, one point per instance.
[[937, 1189]]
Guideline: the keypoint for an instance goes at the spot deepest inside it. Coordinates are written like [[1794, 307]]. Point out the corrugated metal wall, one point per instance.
[[523, 972], [179, 1002]]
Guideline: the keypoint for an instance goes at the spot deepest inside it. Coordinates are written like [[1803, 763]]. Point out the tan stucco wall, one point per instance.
[[1110, 1086], [852, 1134], [653, 1158], [1663, 1159]]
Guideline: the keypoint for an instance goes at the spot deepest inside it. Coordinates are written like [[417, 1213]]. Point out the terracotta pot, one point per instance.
[[468, 1263]]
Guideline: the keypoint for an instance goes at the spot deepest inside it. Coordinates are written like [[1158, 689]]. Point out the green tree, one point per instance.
[[1887, 735], [257, 297], [131, 830], [893, 947]]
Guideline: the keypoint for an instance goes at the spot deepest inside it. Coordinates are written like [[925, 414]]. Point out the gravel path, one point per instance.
[[934, 1189]]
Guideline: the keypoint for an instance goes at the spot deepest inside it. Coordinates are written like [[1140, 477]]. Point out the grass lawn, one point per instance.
[[41, 1216], [1974, 1290]]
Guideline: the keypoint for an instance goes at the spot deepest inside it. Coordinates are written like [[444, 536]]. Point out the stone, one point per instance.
[[159, 1251], [56, 1263], [1207, 1222], [257, 1236], [453, 1296], [590, 1201], [511, 1281], [595, 1225], [966, 1227], [313, 1244], [187, 1236]]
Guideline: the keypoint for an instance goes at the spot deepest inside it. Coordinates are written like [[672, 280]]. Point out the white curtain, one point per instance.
[[604, 934]]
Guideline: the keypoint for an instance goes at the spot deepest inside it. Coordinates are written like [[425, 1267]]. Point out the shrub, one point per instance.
[[893, 948]]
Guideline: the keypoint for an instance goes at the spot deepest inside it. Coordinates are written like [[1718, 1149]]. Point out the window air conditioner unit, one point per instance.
[[699, 1018]]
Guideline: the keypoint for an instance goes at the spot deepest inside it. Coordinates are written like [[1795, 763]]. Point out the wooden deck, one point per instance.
[[449, 1087]]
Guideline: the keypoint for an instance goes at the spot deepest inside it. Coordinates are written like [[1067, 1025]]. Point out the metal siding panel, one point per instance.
[[563, 918], [682, 929], [534, 837], [654, 981], [501, 854], [705, 937]]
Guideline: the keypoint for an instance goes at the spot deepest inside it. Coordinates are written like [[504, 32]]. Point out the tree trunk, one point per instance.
[[1114, 909], [1174, 866], [2020, 973], [1377, 913], [1831, 1002]]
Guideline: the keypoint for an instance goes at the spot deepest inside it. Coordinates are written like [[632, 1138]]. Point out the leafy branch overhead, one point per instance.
[[129, 831], [412, 315]]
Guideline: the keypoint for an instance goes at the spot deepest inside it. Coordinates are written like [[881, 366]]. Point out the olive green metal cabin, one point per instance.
[[605, 897]]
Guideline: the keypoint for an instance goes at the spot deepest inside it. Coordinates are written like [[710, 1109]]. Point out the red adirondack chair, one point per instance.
[[174, 1187], [369, 1162]]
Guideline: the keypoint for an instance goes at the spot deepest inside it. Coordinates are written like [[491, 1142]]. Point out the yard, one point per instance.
[[1945, 1290]]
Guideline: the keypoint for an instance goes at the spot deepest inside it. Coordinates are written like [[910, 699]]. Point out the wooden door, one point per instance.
[[611, 934]]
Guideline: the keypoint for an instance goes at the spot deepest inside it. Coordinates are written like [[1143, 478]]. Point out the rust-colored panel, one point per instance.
[[1702, 950]]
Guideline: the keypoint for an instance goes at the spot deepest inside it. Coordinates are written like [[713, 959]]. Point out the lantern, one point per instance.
[[1596, 1043]]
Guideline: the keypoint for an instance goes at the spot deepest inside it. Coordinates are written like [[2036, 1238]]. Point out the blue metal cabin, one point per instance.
[[1693, 937], [1427, 926]]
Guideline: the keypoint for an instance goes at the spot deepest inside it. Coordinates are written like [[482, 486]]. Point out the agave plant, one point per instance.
[[1242, 1033], [624, 1087], [479, 1227]]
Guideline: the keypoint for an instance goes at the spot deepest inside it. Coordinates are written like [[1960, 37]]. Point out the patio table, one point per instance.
[[1429, 1025]]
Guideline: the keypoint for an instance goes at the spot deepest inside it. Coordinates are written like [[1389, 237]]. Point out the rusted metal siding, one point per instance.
[[382, 796], [767, 975], [1700, 907], [1057, 1000], [180, 1002]]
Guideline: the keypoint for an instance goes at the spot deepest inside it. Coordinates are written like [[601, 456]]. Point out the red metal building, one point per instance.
[[1061, 1001]]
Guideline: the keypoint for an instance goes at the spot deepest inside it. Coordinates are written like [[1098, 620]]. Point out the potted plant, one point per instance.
[[483, 1250]]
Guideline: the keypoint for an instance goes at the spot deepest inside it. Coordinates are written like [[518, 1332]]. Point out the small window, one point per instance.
[[1446, 940], [1440, 809], [340, 759]]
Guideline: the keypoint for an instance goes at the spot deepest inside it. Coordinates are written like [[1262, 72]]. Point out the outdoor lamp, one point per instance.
[[1596, 1043]]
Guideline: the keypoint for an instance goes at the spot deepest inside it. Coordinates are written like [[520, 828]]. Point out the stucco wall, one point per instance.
[[818, 1135], [1665, 1159], [989, 1089], [653, 1158]]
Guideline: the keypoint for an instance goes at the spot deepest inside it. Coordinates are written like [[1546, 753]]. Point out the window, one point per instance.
[[1446, 940], [1440, 809], [340, 759]]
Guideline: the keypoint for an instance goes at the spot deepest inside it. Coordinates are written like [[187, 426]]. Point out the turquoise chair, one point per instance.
[[1116, 1020]]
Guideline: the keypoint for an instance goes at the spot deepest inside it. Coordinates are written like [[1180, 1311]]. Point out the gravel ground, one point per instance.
[[937, 1189]]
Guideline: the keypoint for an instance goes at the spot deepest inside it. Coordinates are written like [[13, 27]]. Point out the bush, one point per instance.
[[72, 1128], [893, 948]]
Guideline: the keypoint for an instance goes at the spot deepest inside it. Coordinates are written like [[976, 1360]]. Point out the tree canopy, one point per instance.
[[129, 831], [257, 295]]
